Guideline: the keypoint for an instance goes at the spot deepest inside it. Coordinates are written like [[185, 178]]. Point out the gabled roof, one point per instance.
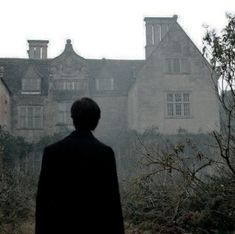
[[32, 72], [122, 71], [5, 85], [175, 24], [69, 52], [14, 70]]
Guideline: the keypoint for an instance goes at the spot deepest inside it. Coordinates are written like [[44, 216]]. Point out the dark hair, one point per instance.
[[85, 113]]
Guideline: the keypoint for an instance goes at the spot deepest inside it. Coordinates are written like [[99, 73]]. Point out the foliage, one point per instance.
[[17, 185], [161, 152], [220, 49], [164, 209], [49, 139], [176, 192], [18, 181], [12, 149], [17, 193]]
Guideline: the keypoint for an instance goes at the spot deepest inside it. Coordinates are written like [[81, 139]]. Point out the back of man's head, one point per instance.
[[85, 114]]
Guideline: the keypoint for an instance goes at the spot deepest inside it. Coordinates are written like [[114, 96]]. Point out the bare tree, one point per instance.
[[219, 48]]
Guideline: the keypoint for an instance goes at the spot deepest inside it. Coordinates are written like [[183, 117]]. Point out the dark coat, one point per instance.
[[78, 188]]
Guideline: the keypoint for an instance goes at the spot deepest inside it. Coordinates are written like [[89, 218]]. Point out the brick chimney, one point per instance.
[[37, 49], [156, 29]]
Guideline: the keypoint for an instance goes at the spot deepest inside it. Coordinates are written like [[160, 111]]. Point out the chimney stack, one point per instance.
[[37, 49], [156, 29]]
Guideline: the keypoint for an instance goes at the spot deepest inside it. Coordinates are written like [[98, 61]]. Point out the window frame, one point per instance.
[[26, 82], [69, 84], [97, 84], [63, 110], [172, 68], [36, 121], [180, 106]]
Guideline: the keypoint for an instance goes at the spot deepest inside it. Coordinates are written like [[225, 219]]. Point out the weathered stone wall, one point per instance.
[[153, 82], [143, 107], [5, 106], [31, 135], [113, 124], [113, 117]]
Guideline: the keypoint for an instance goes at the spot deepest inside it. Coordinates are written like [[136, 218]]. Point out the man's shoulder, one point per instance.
[[96, 143], [70, 140], [55, 145], [101, 144]]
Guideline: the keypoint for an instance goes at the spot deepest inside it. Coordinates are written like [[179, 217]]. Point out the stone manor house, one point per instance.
[[170, 89]]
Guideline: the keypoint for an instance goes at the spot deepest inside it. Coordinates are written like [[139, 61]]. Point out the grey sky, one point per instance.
[[100, 28]]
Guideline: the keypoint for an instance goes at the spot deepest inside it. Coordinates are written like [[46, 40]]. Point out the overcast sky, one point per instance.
[[100, 28]]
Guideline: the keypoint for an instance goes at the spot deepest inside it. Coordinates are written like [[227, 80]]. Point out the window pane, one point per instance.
[[176, 65], [170, 97], [30, 117], [178, 97], [168, 65], [178, 104], [104, 84], [23, 84], [64, 115], [22, 117], [186, 109], [58, 85], [70, 84], [63, 85], [31, 84], [61, 112], [76, 85], [22, 111], [38, 117], [68, 114], [178, 109], [38, 84], [73, 85], [37, 122], [37, 111], [186, 97], [170, 110]]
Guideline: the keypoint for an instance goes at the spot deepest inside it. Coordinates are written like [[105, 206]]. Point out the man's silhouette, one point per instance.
[[78, 188]]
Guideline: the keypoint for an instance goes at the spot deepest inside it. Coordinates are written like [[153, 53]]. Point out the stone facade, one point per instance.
[[169, 90], [173, 90], [4, 103]]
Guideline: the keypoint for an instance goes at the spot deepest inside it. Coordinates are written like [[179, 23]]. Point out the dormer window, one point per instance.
[[67, 84], [177, 66], [31, 86], [104, 84]]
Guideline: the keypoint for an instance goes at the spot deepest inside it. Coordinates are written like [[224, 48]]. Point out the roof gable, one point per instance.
[[177, 37], [5, 85], [69, 61], [104, 73], [31, 73], [123, 72]]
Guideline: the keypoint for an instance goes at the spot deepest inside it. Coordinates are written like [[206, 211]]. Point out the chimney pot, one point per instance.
[[37, 49]]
